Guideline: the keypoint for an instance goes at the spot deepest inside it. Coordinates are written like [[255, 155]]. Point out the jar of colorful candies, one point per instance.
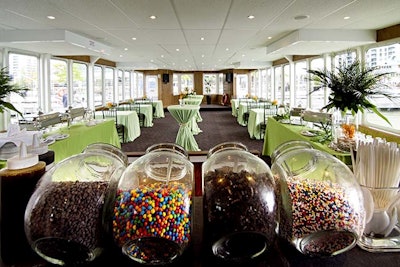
[[239, 204], [153, 208], [67, 217], [321, 210]]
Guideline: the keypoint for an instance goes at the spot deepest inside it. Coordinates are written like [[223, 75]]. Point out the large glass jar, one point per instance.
[[67, 216], [153, 208], [239, 203], [320, 203]]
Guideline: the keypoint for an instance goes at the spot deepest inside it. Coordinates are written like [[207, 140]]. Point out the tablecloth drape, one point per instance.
[[183, 114]]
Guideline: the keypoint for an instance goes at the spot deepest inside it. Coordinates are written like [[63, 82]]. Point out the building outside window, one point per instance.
[[24, 70], [98, 85], [59, 100], [79, 88], [386, 58]]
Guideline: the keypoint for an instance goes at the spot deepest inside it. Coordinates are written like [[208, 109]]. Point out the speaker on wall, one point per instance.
[[229, 77], [165, 78]]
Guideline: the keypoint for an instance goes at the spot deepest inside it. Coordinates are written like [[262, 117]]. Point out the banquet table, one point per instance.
[[278, 133], [183, 114], [80, 136], [157, 106], [247, 106], [130, 121], [256, 117], [147, 110], [235, 104], [193, 100]]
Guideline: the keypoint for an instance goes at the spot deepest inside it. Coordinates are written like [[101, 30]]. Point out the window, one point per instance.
[[242, 85], [109, 85], [79, 88], [317, 98], [24, 70], [119, 87], [210, 84], [286, 87], [98, 85], [278, 84], [152, 87], [264, 84], [127, 85], [269, 90], [58, 85], [182, 82], [140, 83], [300, 85], [386, 59]]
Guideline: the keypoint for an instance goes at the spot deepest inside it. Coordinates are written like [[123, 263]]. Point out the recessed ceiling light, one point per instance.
[[347, 17], [226, 49], [269, 37], [152, 17], [202, 38], [134, 38], [243, 55], [151, 60], [250, 16], [51, 17], [202, 55], [120, 55], [126, 49], [162, 56], [301, 17]]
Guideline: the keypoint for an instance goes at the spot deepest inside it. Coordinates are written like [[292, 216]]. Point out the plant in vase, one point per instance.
[[351, 87], [6, 88]]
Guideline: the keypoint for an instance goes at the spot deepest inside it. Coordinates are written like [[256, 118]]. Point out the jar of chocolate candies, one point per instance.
[[239, 204], [67, 217], [152, 219], [321, 210]]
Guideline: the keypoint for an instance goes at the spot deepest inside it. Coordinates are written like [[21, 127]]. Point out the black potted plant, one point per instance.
[[6, 88]]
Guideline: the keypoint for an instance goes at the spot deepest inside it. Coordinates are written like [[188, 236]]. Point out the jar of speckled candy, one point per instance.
[[239, 204], [68, 215], [153, 208], [321, 209]]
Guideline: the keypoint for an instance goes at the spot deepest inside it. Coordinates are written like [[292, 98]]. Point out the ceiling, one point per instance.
[[105, 28]]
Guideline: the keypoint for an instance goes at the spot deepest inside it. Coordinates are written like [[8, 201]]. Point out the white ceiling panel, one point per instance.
[[181, 24]]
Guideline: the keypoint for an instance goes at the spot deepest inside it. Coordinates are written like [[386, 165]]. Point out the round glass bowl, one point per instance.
[[152, 220], [67, 216], [321, 209], [239, 204]]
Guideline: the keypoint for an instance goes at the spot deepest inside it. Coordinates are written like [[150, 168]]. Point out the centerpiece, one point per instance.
[[351, 86]]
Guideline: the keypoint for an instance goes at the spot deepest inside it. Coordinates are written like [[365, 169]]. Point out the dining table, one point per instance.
[[235, 104], [278, 133], [158, 107], [73, 140], [147, 110], [194, 100], [129, 119], [256, 117], [184, 115]]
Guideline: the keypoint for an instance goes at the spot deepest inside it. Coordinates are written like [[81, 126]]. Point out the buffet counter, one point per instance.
[[278, 133], [75, 139]]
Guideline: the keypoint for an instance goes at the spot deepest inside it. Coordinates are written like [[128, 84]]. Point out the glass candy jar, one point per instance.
[[239, 203], [152, 212], [320, 203], [67, 216]]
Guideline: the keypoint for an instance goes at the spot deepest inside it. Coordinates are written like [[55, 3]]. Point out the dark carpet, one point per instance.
[[218, 126]]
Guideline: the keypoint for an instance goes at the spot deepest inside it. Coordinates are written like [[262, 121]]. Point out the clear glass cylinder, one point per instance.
[[152, 220], [67, 216], [239, 204], [382, 231], [321, 209]]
